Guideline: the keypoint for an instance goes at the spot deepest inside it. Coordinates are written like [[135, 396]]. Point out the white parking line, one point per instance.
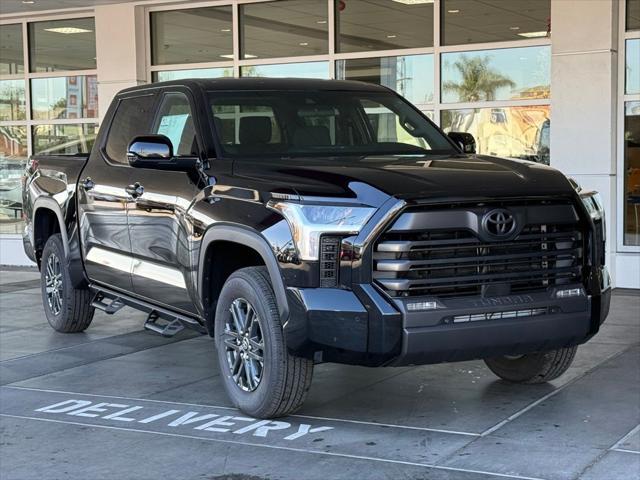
[[275, 447], [343, 420], [624, 450], [616, 446], [537, 402]]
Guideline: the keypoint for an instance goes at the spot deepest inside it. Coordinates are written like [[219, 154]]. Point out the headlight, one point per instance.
[[308, 222], [593, 203]]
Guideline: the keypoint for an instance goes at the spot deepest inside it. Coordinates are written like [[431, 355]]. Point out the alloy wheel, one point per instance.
[[244, 345], [53, 283]]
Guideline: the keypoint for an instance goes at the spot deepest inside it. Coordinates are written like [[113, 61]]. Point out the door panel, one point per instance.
[[159, 233], [103, 201], [103, 223]]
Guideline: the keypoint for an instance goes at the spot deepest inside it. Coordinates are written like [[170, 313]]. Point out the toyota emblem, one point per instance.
[[499, 223]]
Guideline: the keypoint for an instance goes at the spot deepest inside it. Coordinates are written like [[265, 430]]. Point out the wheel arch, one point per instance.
[[48, 220], [244, 238]]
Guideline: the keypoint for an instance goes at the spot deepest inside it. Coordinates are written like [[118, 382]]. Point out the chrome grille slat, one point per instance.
[[457, 262], [406, 265]]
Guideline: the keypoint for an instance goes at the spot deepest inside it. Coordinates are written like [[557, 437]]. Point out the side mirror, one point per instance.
[[156, 152], [464, 140]]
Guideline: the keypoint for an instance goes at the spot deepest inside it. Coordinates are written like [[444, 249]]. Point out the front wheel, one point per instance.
[[536, 367], [260, 376], [68, 309]]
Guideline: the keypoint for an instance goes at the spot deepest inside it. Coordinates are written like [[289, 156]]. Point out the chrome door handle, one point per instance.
[[136, 190], [88, 184]]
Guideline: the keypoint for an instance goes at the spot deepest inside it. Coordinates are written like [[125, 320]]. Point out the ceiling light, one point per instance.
[[514, 28], [28, 2], [391, 36], [67, 30], [453, 11], [225, 30], [303, 44], [228, 55], [533, 34], [321, 22], [248, 55], [413, 2]]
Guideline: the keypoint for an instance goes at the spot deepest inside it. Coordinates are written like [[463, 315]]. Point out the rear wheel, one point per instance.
[[261, 378], [536, 367], [68, 309]]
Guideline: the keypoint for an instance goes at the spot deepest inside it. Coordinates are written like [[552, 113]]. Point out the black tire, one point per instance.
[[281, 381], [70, 310], [531, 368]]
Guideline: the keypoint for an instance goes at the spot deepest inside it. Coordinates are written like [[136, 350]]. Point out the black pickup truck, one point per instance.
[[308, 221]]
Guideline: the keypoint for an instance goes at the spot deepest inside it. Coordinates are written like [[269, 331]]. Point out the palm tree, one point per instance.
[[479, 80]]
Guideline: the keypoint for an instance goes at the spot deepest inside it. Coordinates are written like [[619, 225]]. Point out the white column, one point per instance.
[[583, 95], [120, 50]]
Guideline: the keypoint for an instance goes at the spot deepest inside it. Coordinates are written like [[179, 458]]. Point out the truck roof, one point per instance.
[[260, 83]]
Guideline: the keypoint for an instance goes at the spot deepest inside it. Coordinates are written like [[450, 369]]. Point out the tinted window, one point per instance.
[[175, 121], [513, 132], [64, 97], [504, 74], [411, 76], [62, 45], [632, 173], [12, 100], [11, 54], [191, 36], [284, 70], [132, 118], [64, 139], [364, 25], [633, 15], [301, 123], [471, 21], [285, 28], [632, 80]]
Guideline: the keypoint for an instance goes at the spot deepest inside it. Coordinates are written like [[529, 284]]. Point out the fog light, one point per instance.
[[412, 307], [569, 292]]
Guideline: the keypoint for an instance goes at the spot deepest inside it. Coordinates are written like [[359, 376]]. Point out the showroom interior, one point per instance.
[[550, 81]]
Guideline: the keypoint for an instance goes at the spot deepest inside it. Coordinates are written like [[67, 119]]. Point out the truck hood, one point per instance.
[[374, 178]]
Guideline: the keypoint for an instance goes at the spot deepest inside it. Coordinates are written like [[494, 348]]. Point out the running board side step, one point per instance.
[[163, 327], [160, 320], [110, 308]]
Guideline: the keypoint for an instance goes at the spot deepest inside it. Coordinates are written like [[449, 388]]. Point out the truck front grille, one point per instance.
[[412, 260]]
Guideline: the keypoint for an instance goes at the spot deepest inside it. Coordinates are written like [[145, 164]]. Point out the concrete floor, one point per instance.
[[169, 417]]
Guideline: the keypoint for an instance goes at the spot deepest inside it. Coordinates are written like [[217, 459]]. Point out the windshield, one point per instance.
[[297, 123]]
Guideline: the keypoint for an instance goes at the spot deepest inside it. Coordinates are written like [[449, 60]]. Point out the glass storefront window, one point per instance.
[[64, 139], [285, 28], [504, 74], [411, 76], [11, 53], [64, 97], [196, 73], [12, 100], [13, 158], [191, 35], [291, 70], [365, 25], [470, 21], [632, 80], [632, 174], [62, 45], [633, 15], [514, 132]]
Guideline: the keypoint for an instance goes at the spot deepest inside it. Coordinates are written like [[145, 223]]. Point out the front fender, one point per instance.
[[252, 239]]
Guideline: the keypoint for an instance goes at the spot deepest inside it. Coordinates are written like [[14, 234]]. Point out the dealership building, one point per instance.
[[549, 81]]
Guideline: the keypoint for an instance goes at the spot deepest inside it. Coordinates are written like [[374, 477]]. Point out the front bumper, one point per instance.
[[365, 327]]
